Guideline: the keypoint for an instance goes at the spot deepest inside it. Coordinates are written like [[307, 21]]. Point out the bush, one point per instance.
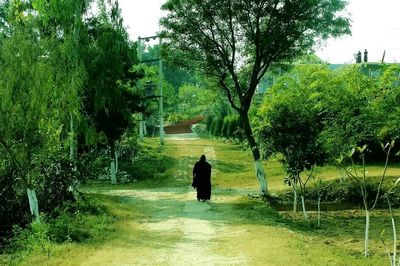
[[239, 132], [212, 127], [209, 122], [14, 207], [218, 127], [344, 191], [232, 127], [33, 238], [76, 222], [199, 129], [224, 129], [90, 165], [56, 181], [67, 228]]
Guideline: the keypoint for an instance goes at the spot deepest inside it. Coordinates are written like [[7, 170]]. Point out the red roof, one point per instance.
[[183, 127]]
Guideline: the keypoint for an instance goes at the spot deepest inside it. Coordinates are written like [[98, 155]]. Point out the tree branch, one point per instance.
[[11, 153], [228, 93]]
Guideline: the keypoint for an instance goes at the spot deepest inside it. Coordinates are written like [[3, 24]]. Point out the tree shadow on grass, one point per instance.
[[225, 167]]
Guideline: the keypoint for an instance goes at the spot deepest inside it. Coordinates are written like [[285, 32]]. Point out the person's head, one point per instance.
[[203, 158]]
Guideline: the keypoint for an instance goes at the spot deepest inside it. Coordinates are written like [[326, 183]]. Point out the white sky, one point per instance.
[[375, 27]]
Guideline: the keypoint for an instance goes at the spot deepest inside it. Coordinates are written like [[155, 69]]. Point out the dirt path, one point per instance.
[[189, 233], [197, 226]]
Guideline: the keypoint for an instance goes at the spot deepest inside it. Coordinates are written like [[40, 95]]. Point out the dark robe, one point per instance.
[[202, 180]]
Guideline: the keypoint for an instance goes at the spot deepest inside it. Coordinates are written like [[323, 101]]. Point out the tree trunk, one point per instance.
[[113, 172], [366, 232], [394, 257], [260, 172], [294, 197], [319, 211], [73, 142], [303, 205], [394, 242], [145, 128], [141, 127], [116, 162], [33, 205]]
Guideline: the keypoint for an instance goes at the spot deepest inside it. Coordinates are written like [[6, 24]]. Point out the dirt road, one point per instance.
[[197, 228]]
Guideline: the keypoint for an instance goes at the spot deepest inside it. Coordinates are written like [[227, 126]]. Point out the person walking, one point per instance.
[[202, 179]]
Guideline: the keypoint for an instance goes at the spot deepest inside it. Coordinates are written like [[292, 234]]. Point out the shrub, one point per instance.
[[13, 202], [56, 181], [67, 227], [232, 127], [199, 129], [224, 129], [90, 165], [344, 191], [213, 126], [218, 127], [209, 122], [33, 238]]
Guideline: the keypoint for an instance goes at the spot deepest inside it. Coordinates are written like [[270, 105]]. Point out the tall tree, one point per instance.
[[109, 99], [237, 41]]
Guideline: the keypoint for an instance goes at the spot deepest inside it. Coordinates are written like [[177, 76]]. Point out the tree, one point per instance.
[[109, 97], [188, 99], [63, 20], [238, 41], [291, 125], [359, 178], [346, 103], [387, 96]]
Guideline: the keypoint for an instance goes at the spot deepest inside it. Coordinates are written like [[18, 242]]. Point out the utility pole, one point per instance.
[[160, 86], [141, 127], [160, 81]]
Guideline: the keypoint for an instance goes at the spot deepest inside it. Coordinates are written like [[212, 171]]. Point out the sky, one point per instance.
[[375, 27]]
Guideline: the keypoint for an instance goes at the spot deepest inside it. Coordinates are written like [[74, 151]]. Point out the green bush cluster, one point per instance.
[[226, 127], [75, 221], [54, 177], [148, 162], [56, 182], [13, 202], [313, 114], [343, 191]]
